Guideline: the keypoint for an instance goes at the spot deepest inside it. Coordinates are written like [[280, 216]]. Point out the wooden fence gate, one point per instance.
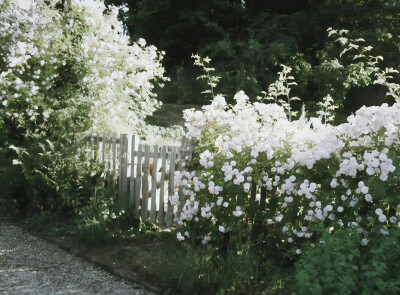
[[142, 174]]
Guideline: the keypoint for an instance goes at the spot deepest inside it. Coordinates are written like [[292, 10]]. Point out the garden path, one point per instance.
[[30, 265]]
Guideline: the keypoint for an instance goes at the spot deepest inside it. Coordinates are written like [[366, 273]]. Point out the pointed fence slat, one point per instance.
[[123, 171], [120, 153], [114, 158], [138, 182], [161, 212], [103, 149], [145, 183], [96, 147], [171, 187], [108, 158], [153, 193], [132, 177]]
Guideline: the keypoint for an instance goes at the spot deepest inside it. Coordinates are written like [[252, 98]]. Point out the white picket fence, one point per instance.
[[143, 174]]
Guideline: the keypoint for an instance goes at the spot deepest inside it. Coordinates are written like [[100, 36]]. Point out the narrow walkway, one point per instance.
[[29, 265]]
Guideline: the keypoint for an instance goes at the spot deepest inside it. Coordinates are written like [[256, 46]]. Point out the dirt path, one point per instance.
[[29, 265]]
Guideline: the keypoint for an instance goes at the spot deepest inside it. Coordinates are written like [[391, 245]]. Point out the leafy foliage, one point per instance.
[[343, 265], [248, 41], [97, 220]]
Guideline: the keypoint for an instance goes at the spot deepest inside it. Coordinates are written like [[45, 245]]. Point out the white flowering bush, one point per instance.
[[67, 69], [50, 45], [254, 168]]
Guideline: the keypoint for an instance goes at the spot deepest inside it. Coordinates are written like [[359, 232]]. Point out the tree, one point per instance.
[[249, 40]]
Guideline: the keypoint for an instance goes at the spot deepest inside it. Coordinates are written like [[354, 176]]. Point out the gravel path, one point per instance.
[[29, 265]]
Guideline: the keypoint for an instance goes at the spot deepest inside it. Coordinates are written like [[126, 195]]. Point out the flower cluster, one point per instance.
[[297, 174], [54, 52]]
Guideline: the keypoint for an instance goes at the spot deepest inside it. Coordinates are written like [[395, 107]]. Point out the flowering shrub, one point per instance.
[[68, 69], [80, 44], [255, 166]]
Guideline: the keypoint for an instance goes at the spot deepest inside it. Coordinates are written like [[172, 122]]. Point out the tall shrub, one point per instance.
[[68, 69]]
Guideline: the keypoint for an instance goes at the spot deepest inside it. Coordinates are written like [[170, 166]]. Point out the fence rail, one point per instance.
[[142, 174]]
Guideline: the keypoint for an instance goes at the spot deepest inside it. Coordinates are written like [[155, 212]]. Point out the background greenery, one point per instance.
[[247, 41]]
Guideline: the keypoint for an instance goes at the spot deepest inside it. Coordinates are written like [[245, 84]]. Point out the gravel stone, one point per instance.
[[30, 265]]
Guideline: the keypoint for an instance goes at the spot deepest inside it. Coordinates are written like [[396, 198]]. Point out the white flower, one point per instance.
[[219, 101], [238, 212], [340, 209], [221, 229], [180, 237], [46, 114], [365, 190], [334, 183], [382, 218], [298, 251], [288, 199], [241, 98], [384, 232], [378, 211], [364, 241], [205, 240], [246, 187]]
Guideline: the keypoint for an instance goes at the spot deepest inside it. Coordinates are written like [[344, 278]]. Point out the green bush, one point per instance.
[[343, 265], [13, 189], [210, 269], [99, 218]]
